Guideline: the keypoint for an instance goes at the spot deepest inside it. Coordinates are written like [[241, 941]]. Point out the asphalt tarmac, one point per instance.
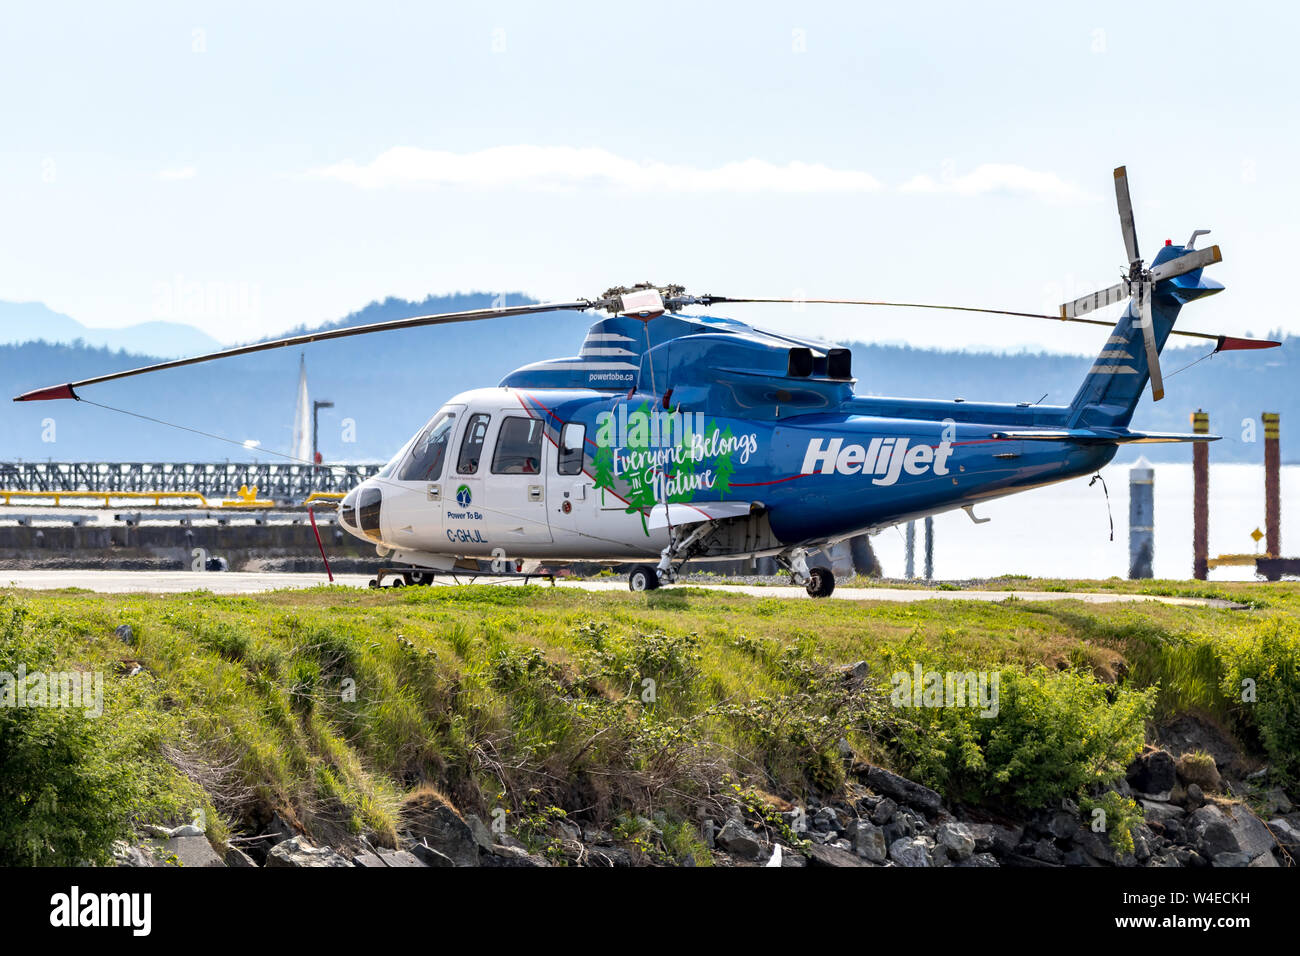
[[243, 582]]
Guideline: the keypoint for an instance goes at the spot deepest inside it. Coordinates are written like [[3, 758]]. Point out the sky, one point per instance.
[[248, 167]]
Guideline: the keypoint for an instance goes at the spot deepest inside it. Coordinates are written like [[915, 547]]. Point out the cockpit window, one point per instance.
[[572, 436], [519, 447], [471, 446], [429, 451]]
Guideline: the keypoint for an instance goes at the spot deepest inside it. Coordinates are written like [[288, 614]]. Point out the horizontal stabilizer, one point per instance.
[[1099, 436]]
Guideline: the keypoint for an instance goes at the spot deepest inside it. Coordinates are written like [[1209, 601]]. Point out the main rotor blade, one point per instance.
[[1098, 300], [1149, 340], [1226, 342], [441, 318], [1196, 259], [1126, 215]]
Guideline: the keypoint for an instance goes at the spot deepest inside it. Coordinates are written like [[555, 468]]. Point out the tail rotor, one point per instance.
[[1140, 282]]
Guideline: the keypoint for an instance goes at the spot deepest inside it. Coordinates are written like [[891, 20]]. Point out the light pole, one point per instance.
[[315, 430]]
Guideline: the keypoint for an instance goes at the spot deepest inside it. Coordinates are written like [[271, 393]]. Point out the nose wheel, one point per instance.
[[643, 578], [820, 583]]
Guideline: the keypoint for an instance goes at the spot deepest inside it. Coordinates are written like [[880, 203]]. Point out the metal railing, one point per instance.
[[278, 482]]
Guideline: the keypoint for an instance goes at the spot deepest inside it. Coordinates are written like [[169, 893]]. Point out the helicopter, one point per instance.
[[674, 437]]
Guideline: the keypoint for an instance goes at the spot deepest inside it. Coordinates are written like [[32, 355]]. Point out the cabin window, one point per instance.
[[471, 446], [430, 449], [519, 447], [573, 437]]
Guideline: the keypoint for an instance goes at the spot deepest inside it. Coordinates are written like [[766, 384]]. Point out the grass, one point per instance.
[[331, 705]]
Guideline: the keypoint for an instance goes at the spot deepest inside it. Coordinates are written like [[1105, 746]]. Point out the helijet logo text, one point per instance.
[[886, 458]]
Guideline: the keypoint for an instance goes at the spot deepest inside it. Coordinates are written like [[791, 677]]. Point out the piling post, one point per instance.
[[1272, 483], [1200, 497], [1141, 519], [909, 568], [929, 548]]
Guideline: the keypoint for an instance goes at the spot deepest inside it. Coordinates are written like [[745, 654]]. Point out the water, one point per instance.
[[1062, 530]]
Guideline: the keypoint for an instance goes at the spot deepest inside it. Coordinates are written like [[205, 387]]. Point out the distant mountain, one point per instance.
[[33, 322], [386, 386]]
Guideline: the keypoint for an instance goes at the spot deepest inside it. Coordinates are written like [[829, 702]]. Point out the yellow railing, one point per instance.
[[1235, 560], [155, 496], [323, 496], [246, 498]]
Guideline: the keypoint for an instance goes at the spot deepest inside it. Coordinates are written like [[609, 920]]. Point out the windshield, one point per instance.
[[429, 450]]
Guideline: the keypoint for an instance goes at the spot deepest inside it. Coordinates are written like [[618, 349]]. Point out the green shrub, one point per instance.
[[63, 789], [1055, 734], [1267, 663]]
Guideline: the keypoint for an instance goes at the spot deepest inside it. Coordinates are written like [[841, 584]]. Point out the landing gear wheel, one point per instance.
[[643, 578], [820, 583], [419, 577]]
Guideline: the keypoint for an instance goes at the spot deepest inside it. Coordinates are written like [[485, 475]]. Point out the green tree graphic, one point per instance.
[[723, 467], [641, 492], [683, 471], [603, 466]]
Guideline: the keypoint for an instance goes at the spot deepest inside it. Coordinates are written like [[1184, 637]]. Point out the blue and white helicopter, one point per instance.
[[672, 438]]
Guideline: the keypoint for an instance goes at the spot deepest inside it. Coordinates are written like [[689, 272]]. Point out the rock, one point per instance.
[[192, 851], [1062, 824], [869, 841], [1276, 801], [400, 859], [1231, 859], [1047, 851], [431, 857], [858, 672], [827, 819], [299, 852], [124, 633], [237, 858], [832, 856], [708, 832], [502, 856], [1265, 859], [909, 851], [981, 859], [1199, 769], [903, 790], [1143, 839], [368, 860], [615, 856], [1157, 811], [995, 838], [482, 835], [957, 839], [1286, 833], [735, 838], [1216, 832], [1195, 797], [441, 828], [1153, 772], [597, 835], [1096, 845], [124, 854], [884, 811], [276, 831]]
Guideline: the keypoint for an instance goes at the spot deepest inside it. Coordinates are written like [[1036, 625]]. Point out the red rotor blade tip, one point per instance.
[[47, 394], [1228, 343]]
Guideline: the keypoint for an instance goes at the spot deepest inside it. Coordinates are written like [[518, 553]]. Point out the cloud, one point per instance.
[[567, 167], [174, 175], [1001, 178]]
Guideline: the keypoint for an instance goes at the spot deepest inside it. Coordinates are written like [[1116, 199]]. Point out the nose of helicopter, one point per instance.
[[360, 509]]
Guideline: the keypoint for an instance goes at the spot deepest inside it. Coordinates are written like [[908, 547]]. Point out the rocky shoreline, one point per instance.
[[883, 820]]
